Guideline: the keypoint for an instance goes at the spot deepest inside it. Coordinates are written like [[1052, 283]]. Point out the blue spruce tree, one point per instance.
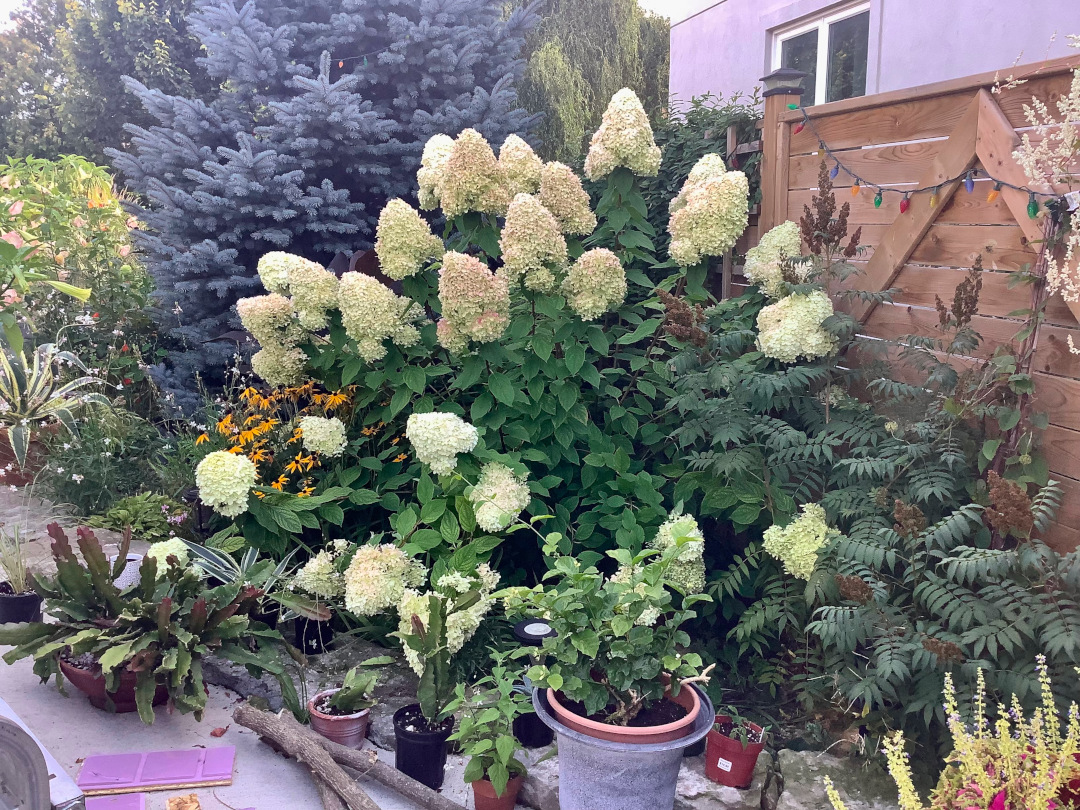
[[323, 111]]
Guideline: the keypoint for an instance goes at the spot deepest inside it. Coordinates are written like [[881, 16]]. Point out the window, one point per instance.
[[831, 50]]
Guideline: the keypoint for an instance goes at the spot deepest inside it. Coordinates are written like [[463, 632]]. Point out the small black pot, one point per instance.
[[420, 754], [313, 637], [695, 750], [531, 731], [269, 613], [18, 607]]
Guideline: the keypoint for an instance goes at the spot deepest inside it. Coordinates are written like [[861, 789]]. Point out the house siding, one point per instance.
[[728, 47]]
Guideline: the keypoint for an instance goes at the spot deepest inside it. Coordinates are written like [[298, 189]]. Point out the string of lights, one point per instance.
[[341, 60], [968, 177]]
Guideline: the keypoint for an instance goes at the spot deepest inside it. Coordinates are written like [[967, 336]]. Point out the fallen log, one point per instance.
[[295, 743], [328, 796]]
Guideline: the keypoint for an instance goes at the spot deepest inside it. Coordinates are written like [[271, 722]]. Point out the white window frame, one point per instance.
[[821, 24]]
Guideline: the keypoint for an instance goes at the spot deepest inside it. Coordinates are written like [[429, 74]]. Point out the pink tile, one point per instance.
[[156, 770], [126, 801]]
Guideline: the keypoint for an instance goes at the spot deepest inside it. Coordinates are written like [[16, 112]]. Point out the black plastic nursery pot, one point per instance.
[[421, 754], [18, 607], [531, 731], [313, 637]]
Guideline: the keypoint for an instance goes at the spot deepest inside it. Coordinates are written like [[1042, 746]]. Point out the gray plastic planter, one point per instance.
[[600, 775]]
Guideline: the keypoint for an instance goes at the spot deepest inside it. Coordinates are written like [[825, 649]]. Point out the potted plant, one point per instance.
[[130, 649], [18, 602], [486, 735], [732, 749], [342, 714], [616, 684]]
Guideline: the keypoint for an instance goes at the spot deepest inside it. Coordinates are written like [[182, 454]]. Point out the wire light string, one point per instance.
[[968, 177]]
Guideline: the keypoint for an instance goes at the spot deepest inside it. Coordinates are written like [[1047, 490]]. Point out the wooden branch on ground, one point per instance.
[[328, 796], [290, 736]]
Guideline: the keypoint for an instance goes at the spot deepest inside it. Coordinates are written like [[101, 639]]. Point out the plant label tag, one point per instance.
[[723, 764], [1073, 199]]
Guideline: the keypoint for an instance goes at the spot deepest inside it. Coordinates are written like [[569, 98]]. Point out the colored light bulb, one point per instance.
[[995, 192], [877, 199], [855, 189], [904, 204], [793, 106], [933, 200], [969, 182], [835, 171], [1033, 206], [798, 128]]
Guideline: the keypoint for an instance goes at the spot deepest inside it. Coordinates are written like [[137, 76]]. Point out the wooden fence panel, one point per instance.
[[920, 137]]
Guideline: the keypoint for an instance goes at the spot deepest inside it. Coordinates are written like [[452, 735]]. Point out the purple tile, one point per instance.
[[126, 801], [157, 770], [173, 766]]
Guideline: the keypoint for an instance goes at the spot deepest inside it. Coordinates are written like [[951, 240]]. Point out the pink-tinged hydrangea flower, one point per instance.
[[372, 314], [521, 166], [713, 216], [377, 577], [225, 481], [269, 319], [429, 177], [792, 328], [498, 497], [764, 261], [625, 138], [563, 195], [595, 284], [274, 269], [532, 245], [279, 365], [475, 301], [438, 439], [472, 179], [404, 242]]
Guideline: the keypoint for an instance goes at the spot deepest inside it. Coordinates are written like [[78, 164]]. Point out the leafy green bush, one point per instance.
[[149, 516]]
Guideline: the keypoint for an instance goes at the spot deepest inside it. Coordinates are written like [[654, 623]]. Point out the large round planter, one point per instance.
[[420, 754], [596, 774], [349, 730], [92, 684], [18, 607], [669, 732], [130, 575], [727, 761], [486, 799], [36, 456]]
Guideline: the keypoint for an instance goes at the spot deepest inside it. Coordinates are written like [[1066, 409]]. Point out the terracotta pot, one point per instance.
[[92, 684], [36, 456], [727, 761], [349, 730], [484, 794], [687, 698]]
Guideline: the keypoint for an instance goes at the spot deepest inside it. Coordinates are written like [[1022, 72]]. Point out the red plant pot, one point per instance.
[[349, 730], [484, 794], [727, 761], [92, 684], [644, 735]]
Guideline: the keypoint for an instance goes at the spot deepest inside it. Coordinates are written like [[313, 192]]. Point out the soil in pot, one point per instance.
[[421, 748], [345, 729], [484, 794], [85, 675], [727, 761], [18, 607], [664, 721]]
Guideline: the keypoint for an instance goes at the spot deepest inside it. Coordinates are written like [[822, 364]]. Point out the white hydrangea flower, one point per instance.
[[532, 245], [163, 549], [764, 261], [436, 152], [687, 571], [521, 166], [377, 577], [372, 314], [498, 497], [225, 480], [797, 544], [323, 436], [792, 328], [274, 269], [713, 215], [625, 138], [438, 438], [595, 284], [404, 242], [320, 577]]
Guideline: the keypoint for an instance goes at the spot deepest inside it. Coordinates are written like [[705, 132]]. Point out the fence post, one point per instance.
[[727, 269], [775, 143]]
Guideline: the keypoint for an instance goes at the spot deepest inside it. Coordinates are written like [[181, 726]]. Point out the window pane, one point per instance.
[[800, 53], [848, 42]]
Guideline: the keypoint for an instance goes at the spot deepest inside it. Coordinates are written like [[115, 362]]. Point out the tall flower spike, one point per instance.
[[475, 301], [532, 245], [372, 313], [563, 195], [711, 216], [595, 284], [521, 166], [472, 179], [404, 241], [432, 163], [625, 138]]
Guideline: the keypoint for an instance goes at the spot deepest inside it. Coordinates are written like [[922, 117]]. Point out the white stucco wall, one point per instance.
[[727, 47]]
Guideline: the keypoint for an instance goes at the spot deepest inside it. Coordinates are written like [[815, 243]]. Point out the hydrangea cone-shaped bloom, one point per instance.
[[403, 241], [475, 301], [274, 269], [625, 138], [225, 481], [595, 284], [314, 292], [714, 216], [687, 572], [472, 179], [498, 497], [323, 436], [521, 166], [532, 245], [372, 313], [764, 261], [438, 438], [710, 165], [377, 577], [320, 577], [279, 365], [792, 328], [163, 549], [563, 195], [429, 176], [797, 544], [269, 319]]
